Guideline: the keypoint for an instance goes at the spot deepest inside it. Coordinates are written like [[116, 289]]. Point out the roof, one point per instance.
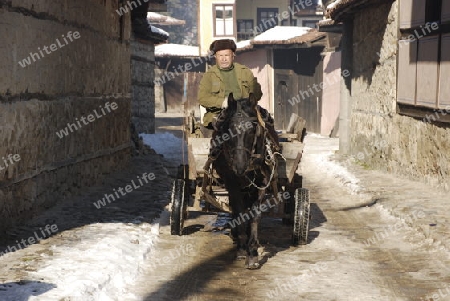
[[176, 50], [280, 34], [157, 34], [159, 19], [339, 9], [284, 35], [244, 45], [326, 22]]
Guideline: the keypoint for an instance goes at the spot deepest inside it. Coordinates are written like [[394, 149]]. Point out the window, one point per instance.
[[223, 20], [309, 23], [424, 56], [267, 18], [302, 7], [244, 29]]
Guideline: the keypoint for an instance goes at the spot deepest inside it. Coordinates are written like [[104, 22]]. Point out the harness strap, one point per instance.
[[260, 119]]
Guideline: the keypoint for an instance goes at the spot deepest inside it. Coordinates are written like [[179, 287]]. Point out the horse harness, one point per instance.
[[241, 117]]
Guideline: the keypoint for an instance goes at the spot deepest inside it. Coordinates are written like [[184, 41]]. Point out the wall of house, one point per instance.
[[143, 87], [247, 9], [260, 63], [206, 23], [380, 137], [331, 93], [66, 82]]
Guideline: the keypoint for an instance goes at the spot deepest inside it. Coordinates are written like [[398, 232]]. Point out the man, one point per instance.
[[224, 78], [228, 77]]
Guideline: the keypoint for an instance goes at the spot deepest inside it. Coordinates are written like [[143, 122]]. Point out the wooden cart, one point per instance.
[[188, 188]]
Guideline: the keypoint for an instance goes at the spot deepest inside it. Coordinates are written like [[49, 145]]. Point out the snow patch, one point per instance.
[[166, 144], [103, 261]]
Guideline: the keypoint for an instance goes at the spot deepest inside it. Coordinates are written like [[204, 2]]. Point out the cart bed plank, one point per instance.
[[198, 150], [292, 151]]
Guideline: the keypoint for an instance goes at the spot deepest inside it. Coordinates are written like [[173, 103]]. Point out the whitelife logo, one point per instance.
[[49, 49], [9, 160], [128, 188], [86, 120], [49, 231], [131, 5]]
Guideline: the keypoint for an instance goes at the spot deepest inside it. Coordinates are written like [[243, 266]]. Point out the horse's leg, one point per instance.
[[252, 234], [239, 222], [236, 204]]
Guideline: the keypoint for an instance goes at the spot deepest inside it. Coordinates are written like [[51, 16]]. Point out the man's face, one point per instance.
[[224, 58]]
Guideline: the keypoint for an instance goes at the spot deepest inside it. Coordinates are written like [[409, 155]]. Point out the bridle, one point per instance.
[[265, 155], [241, 117]]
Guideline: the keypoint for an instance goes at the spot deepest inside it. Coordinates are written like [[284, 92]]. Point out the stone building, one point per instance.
[[395, 106], [65, 99]]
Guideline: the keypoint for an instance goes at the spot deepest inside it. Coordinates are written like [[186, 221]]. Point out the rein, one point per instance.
[[240, 117]]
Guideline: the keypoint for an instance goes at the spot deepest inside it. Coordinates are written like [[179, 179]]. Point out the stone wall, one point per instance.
[[77, 80], [143, 87], [380, 137]]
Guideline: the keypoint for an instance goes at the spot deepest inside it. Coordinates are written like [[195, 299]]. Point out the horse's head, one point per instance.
[[240, 132]]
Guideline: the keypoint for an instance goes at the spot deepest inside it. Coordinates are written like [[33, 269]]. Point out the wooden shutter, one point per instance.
[[406, 76], [412, 13], [445, 10], [427, 71], [444, 72]]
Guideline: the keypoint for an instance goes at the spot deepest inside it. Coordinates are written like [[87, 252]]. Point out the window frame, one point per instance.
[[259, 21], [411, 59], [223, 5], [242, 35]]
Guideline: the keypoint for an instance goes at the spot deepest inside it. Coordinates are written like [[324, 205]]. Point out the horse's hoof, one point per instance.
[[253, 266], [252, 263], [241, 254]]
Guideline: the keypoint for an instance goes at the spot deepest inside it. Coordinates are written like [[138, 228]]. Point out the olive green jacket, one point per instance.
[[211, 92]]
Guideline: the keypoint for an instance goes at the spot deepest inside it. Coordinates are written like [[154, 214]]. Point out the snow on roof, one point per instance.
[[280, 33], [159, 19], [339, 8], [244, 45], [159, 31], [326, 22], [177, 50], [333, 4]]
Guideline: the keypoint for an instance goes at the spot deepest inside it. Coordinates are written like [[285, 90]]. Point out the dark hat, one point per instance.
[[218, 45]]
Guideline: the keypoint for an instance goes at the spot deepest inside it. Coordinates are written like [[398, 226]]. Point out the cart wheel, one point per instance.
[[289, 204], [179, 207], [301, 217]]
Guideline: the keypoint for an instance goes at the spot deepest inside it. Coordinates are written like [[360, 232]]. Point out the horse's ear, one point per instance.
[[231, 100]]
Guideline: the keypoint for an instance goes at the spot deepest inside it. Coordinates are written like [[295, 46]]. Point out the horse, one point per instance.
[[247, 167]]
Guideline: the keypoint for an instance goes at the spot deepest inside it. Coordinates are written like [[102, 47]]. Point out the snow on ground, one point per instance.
[[97, 262], [168, 145], [103, 260], [322, 149]]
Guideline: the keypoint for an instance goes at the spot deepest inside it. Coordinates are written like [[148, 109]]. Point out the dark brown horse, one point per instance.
[[247, 167]]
